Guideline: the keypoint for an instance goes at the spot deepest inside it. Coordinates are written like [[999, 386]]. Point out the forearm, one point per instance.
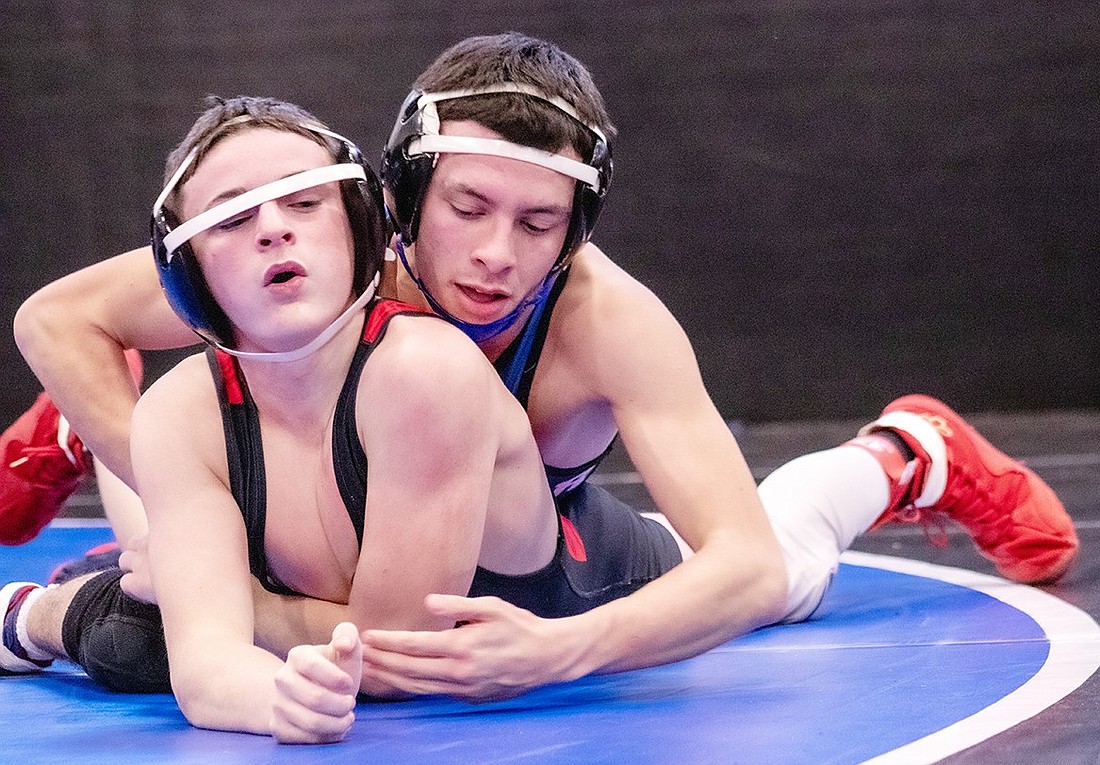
[[702, 603], [234, 692], [285, 621], [71, 359]]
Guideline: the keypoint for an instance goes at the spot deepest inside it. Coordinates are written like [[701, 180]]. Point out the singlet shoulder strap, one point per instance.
[[516, 365], [245, 454], [348, 459]]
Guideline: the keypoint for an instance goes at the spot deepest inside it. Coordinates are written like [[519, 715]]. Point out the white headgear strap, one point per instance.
[[431, 142], [326, 334], [252, 198]]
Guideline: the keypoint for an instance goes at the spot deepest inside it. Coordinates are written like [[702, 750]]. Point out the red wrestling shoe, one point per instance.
[[1014, 518], [42, 464], [99, 558]]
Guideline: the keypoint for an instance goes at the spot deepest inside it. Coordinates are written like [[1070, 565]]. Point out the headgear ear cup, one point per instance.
[[406, 177], [366, 208], [185, 286]]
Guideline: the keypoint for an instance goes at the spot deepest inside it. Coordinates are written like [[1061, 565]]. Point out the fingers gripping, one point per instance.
[[315, 689], [495, 655]]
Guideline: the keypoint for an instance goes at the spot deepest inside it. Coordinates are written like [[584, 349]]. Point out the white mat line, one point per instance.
[[80, 523], [1074, 656], [733, 647]]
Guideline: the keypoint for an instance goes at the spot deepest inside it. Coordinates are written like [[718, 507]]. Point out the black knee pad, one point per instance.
[[118, 641]]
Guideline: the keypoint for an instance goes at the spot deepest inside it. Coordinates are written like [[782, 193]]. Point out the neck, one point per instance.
[[495, 346], [305, 389]]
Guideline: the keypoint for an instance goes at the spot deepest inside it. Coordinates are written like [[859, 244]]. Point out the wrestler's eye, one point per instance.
[[534, 228], [466, 213], [543, 223], [235, 222]]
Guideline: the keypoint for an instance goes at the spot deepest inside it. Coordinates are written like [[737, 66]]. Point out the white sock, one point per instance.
[[21, 633], [818, 504], [12, 659]]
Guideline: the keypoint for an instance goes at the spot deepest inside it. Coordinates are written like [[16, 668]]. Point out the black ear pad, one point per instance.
[[366, 212], [186, 288], [184, 285], [407, 178], [587, 202]]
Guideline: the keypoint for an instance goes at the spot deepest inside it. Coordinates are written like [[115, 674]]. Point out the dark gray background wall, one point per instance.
[[843, 200]]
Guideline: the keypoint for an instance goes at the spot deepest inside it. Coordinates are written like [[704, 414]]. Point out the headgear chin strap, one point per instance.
[[316, 343], [479, 333]]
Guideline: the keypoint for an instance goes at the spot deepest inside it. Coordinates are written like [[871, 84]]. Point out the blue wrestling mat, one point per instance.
[[904, 665]]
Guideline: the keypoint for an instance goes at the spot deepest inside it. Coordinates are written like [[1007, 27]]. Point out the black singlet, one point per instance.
[[605, 549], [516, 366]]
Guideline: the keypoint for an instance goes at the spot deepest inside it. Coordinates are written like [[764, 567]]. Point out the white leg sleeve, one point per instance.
[[817, 505]]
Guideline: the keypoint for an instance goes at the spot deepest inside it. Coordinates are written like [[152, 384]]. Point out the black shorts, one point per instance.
[[623, 551], [119, 641]]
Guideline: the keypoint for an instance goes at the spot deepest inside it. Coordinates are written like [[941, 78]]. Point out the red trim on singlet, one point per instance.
[[573, 542], [229, 376], [382, 313]]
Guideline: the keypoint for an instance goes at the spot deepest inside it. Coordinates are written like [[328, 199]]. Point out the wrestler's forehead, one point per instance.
[[246, 160], [498, 178]]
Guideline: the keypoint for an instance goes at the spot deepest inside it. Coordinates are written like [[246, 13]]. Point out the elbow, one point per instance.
[[765, 583], [32, 324], [198, 704], [755, 580], [43, 321], [189, 696]]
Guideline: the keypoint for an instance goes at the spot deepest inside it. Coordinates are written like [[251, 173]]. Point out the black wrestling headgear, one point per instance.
[[410, 155], [182, 278]]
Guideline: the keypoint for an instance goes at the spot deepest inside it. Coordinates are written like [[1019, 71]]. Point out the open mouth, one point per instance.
[[281, 273], [485, 297]]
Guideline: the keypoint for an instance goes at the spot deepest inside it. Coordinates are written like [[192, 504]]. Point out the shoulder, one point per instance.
[[177, 424], [605, 314], [603, 294], [423, 364], [422, 345], [177, 402]]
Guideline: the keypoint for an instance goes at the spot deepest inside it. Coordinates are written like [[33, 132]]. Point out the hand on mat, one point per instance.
[[499, 652], [137, 582], [315, 690]]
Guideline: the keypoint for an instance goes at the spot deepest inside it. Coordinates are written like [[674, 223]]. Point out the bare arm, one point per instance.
[[693, 468], [430, 451], [73, 333], [430, 455], [636, 358], [198, 557]]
